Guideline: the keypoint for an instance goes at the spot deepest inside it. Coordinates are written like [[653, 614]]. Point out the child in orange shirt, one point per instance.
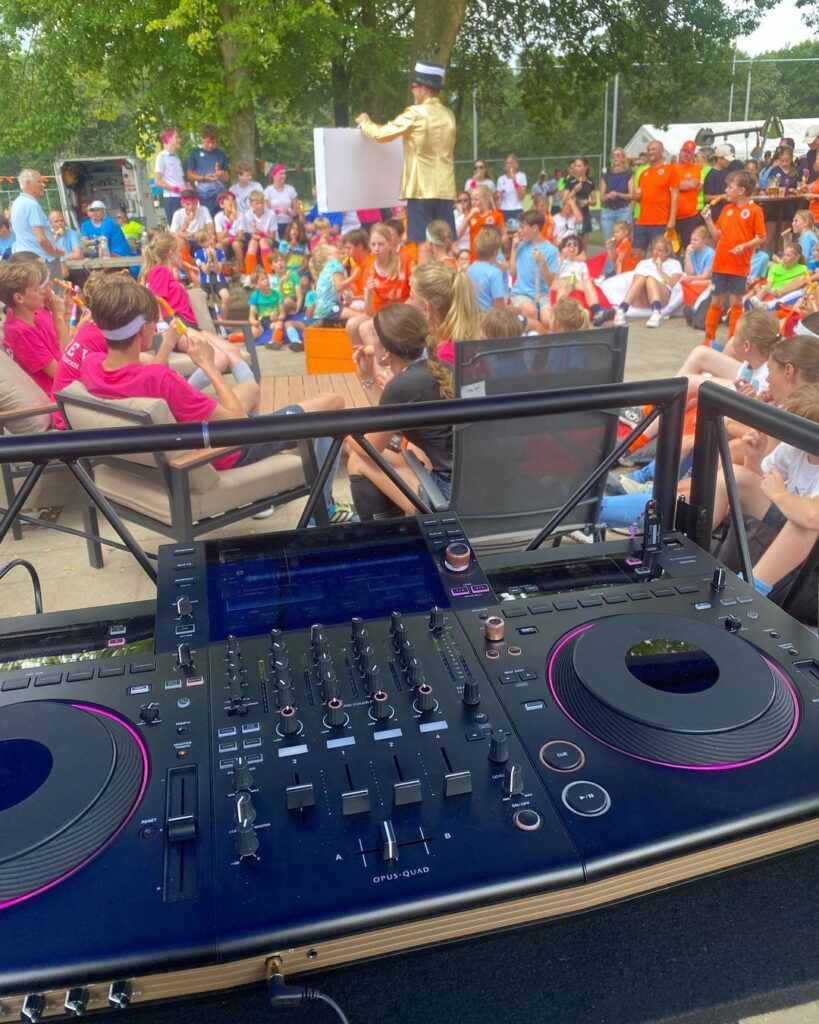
[[483, 212], [740, 228], [618, 248]]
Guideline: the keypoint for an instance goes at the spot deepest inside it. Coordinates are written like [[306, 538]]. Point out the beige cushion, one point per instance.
[[213, 492], [199, 304], [19, 391]]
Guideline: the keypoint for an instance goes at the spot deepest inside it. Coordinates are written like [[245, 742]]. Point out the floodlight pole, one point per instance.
[[614, 110]]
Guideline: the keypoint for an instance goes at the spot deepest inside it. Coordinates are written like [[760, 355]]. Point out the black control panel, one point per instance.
[[346, 728]]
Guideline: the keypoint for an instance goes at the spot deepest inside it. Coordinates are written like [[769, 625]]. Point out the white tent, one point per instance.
[[675, 135]]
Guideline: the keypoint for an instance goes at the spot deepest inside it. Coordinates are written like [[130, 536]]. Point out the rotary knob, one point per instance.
[[242, 777], [367, 659], [356, 626], [457, 556], [335, 712], [494, 628], [285, 695], [372, 679], [415, 673], [381, 705], [76, 1001], [329, 683], [513, 780], [733, 624], [361, 641], [149, 713], [247, 842], [290, 723], [316, 633], [234, 652], [425, 701], [472, 693], [183, 607], [498, 748], [183, 656], [436, 619], [276, 639], [406, 653]]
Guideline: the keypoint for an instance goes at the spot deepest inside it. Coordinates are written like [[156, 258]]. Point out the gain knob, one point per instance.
[[472, 693], [242, 776], [513, 780], [498, 748], [335, 713], [425, 700], [76, 1001], [381, 705], [316, 633], [329, 683], [290, 723], [436, 619], [356, 626], [149, 713], [372, 680], [457, 556]]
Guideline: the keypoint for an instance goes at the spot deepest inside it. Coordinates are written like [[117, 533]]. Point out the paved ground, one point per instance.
[[68, 581]]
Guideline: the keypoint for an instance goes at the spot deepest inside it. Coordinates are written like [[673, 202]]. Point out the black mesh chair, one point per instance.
[[508, 478]]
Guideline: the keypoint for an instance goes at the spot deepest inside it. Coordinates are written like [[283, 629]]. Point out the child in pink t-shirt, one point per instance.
[[35, 329], [161, 262]]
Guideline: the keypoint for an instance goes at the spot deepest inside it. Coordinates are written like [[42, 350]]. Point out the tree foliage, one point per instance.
[[85, 78]]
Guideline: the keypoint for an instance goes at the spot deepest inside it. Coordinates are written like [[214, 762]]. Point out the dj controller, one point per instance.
[[329, 745]]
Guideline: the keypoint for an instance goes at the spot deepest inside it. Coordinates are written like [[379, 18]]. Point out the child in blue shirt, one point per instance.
[[804, 233], [533, 264], [328, 273], [485, 276], [210, 259]]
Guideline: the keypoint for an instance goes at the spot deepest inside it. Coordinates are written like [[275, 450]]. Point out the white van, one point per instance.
[[119, 181]]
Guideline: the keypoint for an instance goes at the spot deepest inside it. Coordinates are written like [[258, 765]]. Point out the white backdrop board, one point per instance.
[[353, 172]]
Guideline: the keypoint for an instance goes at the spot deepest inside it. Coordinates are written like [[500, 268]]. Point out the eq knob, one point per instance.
[[513, 780], [472, 693], [457, 556], [242, 777], [276, 640], [372, 679], [395, 621], [425, 701], [234, 652], [406, 653], [76, 1001], [356, 626], [367, 659], [498, 748], [415, 672], [381, 705], [285, 695], [436, 619], [290, 723], [149, 713], [183, 607], [329, 683]]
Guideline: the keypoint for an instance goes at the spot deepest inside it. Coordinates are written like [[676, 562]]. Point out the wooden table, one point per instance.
[[778, 206], [276, 392], [105, 262]]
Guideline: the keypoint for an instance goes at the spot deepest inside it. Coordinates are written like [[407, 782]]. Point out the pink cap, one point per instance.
[[278, 169]]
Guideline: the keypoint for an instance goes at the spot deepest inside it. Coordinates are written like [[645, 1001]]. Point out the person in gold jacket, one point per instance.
[[427, 128]]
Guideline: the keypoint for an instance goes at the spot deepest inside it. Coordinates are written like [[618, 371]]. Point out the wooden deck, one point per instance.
[[276, 392]]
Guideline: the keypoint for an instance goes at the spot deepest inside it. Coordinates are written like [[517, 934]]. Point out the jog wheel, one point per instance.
[[673, 691], [71, 776]]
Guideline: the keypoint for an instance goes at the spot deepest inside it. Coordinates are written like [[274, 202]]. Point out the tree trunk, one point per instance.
[[340, 80], [437, 23], [243, 140]]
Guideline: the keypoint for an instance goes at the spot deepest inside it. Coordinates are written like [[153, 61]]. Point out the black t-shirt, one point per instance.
[[412, 385], [585, 190], [714, 185]]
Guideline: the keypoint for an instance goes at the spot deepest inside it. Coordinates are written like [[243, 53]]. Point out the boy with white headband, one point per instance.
[[126, 313]]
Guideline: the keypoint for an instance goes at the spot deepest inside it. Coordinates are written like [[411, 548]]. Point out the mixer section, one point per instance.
[[365, 766]]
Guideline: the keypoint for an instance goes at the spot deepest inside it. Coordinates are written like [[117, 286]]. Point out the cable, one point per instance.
[[282, 994], [35, 580]]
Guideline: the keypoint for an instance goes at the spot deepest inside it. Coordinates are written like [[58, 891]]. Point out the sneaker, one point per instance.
[[602, 316], [688, 313], [619, 317], [295, 346], [278, 346], [655, 320], [757, 303], [340, 512], [246, 281], [266, 513]]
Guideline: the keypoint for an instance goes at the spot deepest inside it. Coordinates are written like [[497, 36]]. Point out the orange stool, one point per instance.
[[328, 350]]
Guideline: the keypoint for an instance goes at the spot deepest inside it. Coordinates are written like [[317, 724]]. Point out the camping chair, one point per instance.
[[508, 478], [177, 494]]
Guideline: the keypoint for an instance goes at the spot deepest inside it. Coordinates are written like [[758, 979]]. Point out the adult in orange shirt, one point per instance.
[[657, 193], [740, 228], [689, 174]]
